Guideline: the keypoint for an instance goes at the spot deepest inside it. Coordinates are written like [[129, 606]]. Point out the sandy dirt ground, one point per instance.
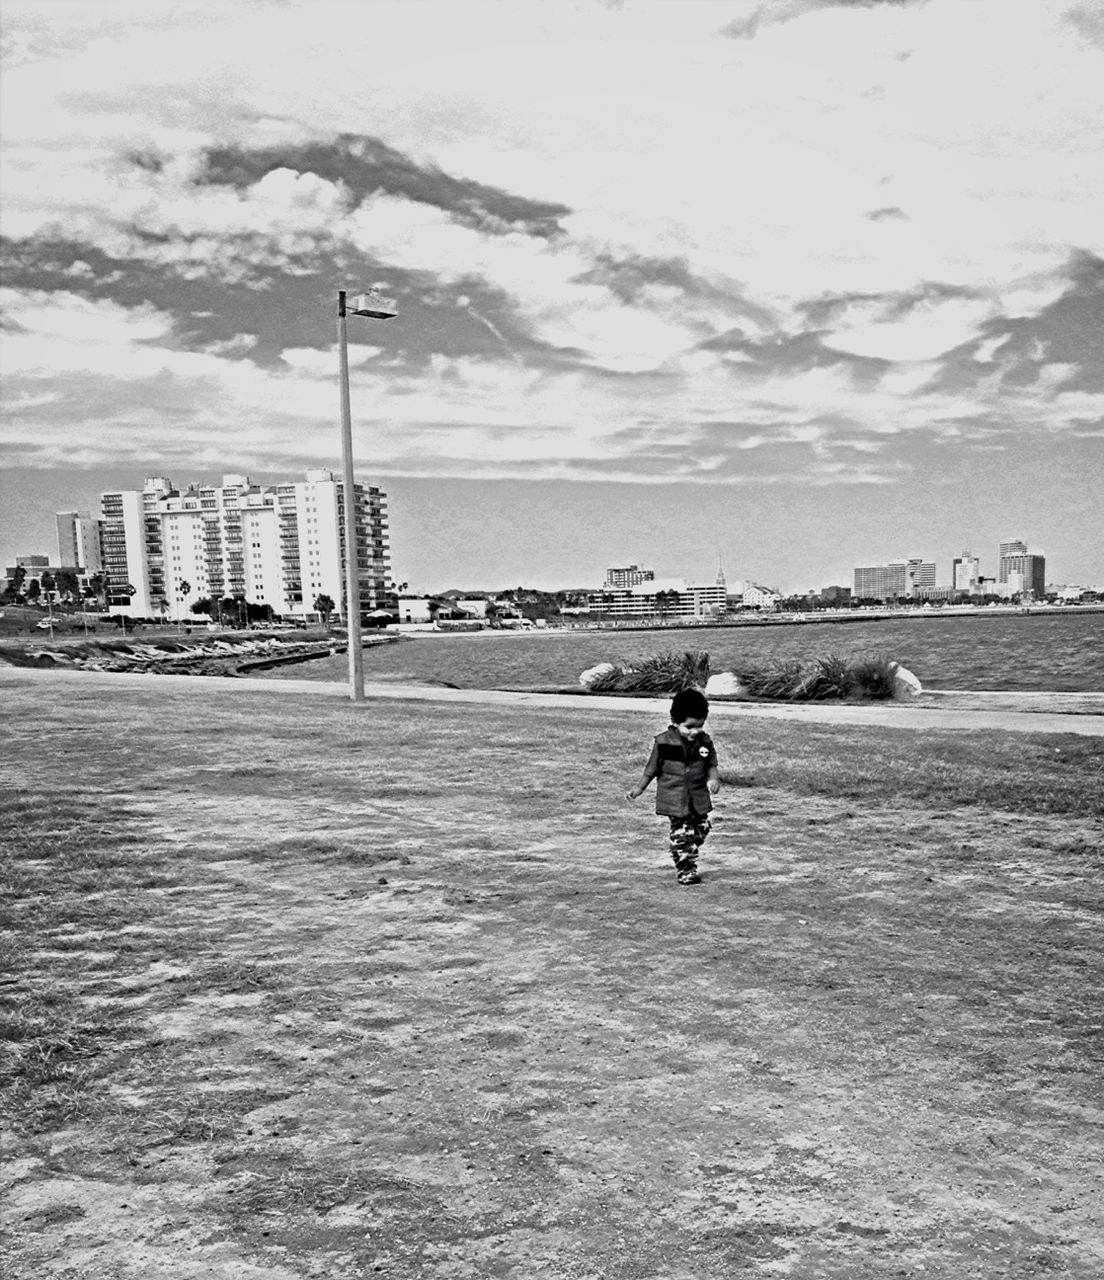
[[408, 989]]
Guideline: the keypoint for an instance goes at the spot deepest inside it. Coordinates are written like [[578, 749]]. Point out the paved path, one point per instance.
[[944, 715]]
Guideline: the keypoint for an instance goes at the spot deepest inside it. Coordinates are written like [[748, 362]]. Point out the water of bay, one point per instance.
[[1062, 651]]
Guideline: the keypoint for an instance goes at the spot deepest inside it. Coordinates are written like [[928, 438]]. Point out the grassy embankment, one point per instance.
[[306, 989]]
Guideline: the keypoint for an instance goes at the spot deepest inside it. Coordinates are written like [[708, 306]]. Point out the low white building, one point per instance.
[[757, 597], [663, 598], [414, 609]]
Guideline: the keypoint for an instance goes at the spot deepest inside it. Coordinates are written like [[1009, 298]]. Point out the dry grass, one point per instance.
[[1031, 774], [411, 989]]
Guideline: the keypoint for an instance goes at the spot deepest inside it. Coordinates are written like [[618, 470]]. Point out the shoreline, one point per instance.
[[824, 617]]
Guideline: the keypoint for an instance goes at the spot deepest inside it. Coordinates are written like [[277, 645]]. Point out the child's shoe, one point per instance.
[[689, 875]]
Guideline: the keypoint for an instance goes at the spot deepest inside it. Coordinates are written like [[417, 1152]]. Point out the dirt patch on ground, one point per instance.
[[308, 989]]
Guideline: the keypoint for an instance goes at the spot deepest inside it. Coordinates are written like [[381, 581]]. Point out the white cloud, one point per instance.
[[753, 162], [324, 364], [986, 351], [928, 330]]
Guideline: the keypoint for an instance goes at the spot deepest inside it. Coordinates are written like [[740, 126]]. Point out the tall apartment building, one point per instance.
[[280, 545], [630, 576], [1018, 570], [78, 541], [897, 579]]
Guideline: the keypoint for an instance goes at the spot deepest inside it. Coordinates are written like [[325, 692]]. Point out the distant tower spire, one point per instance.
[[721, 581]]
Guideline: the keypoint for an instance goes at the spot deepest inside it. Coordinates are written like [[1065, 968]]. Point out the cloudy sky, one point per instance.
[[794, 283]]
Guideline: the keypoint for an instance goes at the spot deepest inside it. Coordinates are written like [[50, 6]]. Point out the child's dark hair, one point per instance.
[[689, 704]]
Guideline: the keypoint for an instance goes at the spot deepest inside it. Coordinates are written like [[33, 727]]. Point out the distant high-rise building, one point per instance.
[[630, 576], [281, 545], [896, 580], [966, 573], [920, 575], [78, 541], [1019, 570]]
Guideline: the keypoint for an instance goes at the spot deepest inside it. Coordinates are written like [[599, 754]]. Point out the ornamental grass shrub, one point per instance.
[[831, 677], [666, 672]]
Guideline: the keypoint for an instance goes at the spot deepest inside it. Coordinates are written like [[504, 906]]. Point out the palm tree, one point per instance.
[[128, 589]]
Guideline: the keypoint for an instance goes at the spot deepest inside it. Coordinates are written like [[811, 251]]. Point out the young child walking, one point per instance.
[[684, 764]]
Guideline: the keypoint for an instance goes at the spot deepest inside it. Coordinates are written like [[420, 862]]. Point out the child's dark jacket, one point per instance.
[[681, 770]]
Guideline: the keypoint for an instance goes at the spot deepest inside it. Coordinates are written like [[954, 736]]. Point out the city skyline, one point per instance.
[[621, 574], [672, 283]]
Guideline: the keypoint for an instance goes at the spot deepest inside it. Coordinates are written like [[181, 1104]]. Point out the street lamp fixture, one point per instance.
[[373, 307]]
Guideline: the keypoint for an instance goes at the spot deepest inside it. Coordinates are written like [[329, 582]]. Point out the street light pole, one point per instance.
[[352, 579], [367, 304]]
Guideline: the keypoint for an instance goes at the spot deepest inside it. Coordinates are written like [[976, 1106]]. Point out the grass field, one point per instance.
[[297, 988]]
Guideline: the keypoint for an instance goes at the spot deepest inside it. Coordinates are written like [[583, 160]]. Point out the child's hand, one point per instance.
[[634, 794], [714, 785]]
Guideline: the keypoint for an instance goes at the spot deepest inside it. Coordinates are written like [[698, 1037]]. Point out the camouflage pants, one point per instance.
[[687, 837]]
